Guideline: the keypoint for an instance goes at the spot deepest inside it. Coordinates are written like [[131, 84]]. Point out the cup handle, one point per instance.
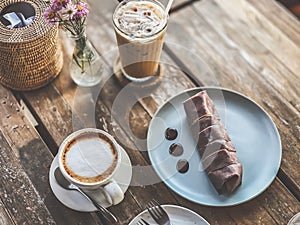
[[113, 193], [103, 214]]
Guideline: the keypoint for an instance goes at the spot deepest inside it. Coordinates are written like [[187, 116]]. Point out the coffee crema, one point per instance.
[[90, 157]]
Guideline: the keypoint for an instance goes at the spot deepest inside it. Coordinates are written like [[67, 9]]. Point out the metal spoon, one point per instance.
[[103, 213]]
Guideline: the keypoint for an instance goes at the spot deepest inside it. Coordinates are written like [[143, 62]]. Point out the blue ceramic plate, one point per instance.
[[251, 130]]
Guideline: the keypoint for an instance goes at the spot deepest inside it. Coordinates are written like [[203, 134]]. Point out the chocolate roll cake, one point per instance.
[[218, 155]]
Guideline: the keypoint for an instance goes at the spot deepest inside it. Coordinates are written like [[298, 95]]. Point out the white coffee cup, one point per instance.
[[89, 159]]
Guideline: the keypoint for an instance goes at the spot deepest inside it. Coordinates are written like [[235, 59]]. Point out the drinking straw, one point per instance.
[[168, 7]]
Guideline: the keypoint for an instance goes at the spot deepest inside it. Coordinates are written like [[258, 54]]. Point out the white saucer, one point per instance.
[[74, 200], [178, 216]]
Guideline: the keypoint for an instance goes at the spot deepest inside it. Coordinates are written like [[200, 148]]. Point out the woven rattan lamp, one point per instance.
[[30, 56]]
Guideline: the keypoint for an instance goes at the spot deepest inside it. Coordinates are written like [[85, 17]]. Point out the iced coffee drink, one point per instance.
[[140, 27]]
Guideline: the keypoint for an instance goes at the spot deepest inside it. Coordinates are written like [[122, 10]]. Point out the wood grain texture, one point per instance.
[[280, 17], [260, 42], [4, 215], [228, 57], [236, 45], [43, 101], [25, 161], [108, 6], [47, 99], [18, 189], [260, 217], [227, 53], [24, 205]]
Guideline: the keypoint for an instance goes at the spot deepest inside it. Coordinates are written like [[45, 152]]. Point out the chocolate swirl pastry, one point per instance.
[[218, 155]]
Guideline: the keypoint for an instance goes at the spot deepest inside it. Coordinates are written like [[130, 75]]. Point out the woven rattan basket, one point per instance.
[[31, 56]]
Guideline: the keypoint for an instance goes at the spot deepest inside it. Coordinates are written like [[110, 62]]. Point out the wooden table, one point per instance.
[[248, 46]]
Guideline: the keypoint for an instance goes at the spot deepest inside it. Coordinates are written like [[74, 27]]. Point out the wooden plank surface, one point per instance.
[[240, 63], [249, 61], [138, 196], [280, 17], [25, 161], [4, 215], [107, 7]]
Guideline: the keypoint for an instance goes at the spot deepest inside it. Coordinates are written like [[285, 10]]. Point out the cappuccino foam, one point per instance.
[[139, 18], [90, 157]]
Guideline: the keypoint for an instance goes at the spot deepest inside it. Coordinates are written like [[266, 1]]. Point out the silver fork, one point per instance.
[[142, 222], [158, 213]]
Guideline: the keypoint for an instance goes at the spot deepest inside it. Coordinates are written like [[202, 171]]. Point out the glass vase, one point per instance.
[[85, 66]]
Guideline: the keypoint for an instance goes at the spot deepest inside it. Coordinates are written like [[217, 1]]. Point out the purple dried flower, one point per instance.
[[59, 4], [68, 12], [50, 15], [82, 10]]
